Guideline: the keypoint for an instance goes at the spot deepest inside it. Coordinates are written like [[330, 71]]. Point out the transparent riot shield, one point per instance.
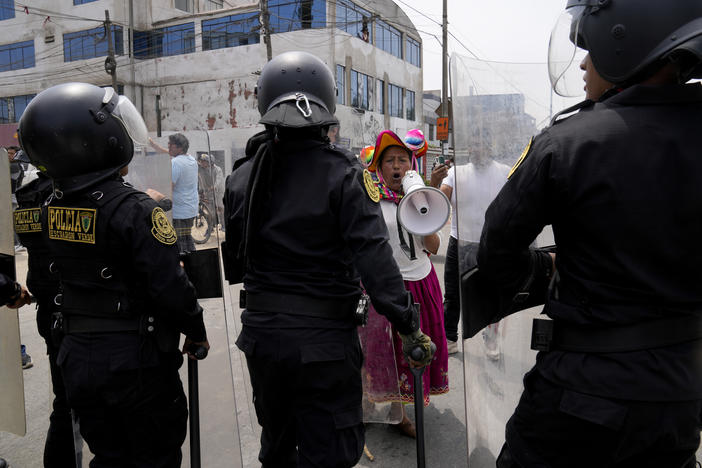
[[229, 431], [208, 383], [381, 389], [11, 377], [151, 172], [497, 108]]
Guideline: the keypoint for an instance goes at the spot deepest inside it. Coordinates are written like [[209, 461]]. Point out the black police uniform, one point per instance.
[[59, 450], [620, 183], [317, 230], [124, 299]]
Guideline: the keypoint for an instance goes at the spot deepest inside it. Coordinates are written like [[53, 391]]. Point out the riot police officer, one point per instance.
[[123, 297], [303, 222], [42, 282], [617, 381]]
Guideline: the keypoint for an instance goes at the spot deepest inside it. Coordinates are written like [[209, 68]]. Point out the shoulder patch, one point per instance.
[[72, 224], [371, 188], [521, 158], [27, 220], [161, 229]]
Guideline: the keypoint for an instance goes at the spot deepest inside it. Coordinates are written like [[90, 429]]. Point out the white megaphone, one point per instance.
[[422, 210]]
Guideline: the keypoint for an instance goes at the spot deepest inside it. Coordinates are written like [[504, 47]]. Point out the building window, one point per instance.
[[11, 108], [354, 20], [185, 5], [409, 104], [394, 100], [211, 5], [7, 9], [80, 2], [292, 15], [413, 52], [361, 90], [162, 42], [16, 56], [388, 38], [380, 92], [90, 43], [230, 31], [340, 84]]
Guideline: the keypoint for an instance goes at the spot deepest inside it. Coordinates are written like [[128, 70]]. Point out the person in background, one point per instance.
[[16, 176], [185, 196], [391, 159], [59, 449], [211, 186], [479, 181]]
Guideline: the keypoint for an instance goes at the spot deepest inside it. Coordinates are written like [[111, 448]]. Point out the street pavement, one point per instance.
[[229, 429]]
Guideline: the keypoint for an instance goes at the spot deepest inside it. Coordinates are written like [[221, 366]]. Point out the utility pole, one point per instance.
[[110, 62], [265, 20], [444, 77], [131, 52]]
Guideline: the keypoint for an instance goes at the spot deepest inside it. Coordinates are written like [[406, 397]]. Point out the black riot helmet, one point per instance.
[[296, 89], [79, 133], [628, 40]]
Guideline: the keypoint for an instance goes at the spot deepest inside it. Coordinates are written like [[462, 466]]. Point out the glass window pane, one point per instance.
[[7, 9], [230, 31], [410, 104], [4, 59], [292, 15], [4, 111], [341, 84]]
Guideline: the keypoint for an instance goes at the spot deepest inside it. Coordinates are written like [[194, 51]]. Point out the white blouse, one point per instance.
[[411, 270]]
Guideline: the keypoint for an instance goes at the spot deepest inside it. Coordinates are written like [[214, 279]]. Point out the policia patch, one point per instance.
[[371, 188], [521, 158], [72, 224], [162, 229], [27, 220]]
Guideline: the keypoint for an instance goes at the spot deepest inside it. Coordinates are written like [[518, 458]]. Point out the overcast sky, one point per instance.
[[500, 30], [494, 30]]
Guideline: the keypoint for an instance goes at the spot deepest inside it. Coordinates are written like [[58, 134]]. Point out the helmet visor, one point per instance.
[[565, 53], [130, 117]]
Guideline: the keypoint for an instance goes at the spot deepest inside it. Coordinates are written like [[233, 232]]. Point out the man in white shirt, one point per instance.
[[478, 183]]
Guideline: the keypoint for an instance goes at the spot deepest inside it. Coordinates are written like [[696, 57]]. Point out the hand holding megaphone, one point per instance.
[[423, 210]]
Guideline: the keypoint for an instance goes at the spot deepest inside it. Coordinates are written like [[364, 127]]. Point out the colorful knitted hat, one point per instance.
[[366, 155], [386, 139], [414, 140]]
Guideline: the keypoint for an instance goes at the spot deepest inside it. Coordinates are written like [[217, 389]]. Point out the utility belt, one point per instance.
[[547, 335], [83, 324], [355, 309]]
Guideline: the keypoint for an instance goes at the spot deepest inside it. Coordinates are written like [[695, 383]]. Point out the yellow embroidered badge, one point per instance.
[[27, 220], [162, 229], [371, 189], [521, 158], [72, 224]]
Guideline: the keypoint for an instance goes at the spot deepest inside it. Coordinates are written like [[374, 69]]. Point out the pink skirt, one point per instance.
[[380, 381]]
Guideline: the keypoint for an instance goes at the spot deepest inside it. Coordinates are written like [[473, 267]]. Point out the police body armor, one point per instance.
[[41, 281], [95, 293]]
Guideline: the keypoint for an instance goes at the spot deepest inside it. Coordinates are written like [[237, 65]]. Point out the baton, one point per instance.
[[200, 352], [417, 354]]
